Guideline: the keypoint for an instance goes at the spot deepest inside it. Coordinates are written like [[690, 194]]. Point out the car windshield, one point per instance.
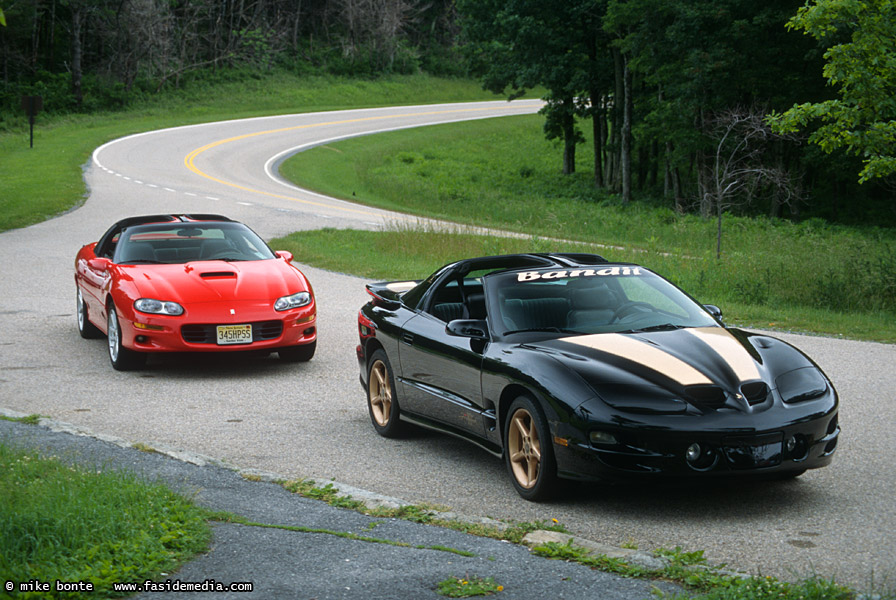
[[175, 243], [606, 299]]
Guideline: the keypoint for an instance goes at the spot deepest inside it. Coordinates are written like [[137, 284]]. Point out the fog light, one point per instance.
[[790, 444], [603, 438], [694, 452], [796, 447], [701, 458]]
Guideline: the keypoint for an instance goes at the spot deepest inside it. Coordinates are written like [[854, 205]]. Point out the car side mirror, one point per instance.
[[287, 256], [468, 328], [100, 263], [714, 310]]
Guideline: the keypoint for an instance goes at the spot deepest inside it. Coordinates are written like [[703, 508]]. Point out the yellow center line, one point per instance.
[[190, 159]]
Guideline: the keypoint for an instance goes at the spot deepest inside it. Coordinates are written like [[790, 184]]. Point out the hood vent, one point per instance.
[[755, 392], [706, 396], [217, 274]]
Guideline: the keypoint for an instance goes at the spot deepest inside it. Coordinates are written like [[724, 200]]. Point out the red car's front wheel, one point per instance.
[[87, 329], [122, 358]]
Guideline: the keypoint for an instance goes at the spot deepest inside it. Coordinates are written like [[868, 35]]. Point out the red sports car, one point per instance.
[[192, 283]]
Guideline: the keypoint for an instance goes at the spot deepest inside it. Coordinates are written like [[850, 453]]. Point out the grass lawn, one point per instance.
[[502, 173], [65, 523]]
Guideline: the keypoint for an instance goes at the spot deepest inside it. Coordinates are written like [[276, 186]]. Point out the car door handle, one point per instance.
[[407, 338]]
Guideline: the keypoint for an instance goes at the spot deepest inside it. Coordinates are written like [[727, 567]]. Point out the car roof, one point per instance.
[[537, 260], [182, 218], [105, 241]]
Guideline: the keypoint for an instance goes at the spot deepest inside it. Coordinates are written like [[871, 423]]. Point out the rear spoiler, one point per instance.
[[387, 293]]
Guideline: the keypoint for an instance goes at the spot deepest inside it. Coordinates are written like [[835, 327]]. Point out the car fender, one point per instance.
[[557, 389]]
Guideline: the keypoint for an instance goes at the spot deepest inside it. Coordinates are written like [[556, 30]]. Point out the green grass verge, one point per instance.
[[65, 523], [690, 570], [501, 173], [46, 180], [411, 253]]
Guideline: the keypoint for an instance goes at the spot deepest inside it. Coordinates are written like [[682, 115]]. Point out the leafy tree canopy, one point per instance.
[[861, 63]]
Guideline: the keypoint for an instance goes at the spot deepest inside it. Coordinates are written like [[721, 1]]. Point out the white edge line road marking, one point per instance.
[[98, 151], [268, 166]]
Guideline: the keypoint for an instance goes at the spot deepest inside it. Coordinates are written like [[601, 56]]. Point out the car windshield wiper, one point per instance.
[[143, 261], [545, 329], [663, 327]]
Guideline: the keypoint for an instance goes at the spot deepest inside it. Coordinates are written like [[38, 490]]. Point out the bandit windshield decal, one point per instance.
[[605, 272]]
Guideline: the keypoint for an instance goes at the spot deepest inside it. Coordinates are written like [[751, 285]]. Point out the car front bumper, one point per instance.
[[270, 330], [640, 453]]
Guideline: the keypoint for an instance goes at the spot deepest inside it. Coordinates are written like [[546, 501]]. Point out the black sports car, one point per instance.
[[570, 366]]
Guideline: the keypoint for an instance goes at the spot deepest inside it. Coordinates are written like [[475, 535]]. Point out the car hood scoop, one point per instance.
[[708, 367], [217, 274]]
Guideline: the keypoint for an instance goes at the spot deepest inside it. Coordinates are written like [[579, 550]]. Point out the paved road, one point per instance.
[[314, 565], [310, 420]]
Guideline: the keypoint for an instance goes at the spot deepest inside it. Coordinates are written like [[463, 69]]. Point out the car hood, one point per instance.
[[212, 281], [667, 371]]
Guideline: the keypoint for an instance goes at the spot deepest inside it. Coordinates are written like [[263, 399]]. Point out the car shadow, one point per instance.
[[698, 500], [230, 365]]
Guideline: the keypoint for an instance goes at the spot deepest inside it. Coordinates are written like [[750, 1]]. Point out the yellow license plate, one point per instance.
[[234, 334]]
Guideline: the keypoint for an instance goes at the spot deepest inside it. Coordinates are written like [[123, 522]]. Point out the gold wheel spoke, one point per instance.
[[521, 426]]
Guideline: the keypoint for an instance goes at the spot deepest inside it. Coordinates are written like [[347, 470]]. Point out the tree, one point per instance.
[[738, 166], [861, 63], [523, 44]]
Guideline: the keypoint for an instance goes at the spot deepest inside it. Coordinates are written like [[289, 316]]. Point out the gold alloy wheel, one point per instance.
[[380, 393], [524, 448]]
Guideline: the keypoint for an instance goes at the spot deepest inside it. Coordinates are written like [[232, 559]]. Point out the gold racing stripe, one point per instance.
[[642, 353], [726, 346], [400, 286]]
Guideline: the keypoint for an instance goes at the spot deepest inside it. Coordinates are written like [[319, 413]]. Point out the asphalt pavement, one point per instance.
[[279, 563]]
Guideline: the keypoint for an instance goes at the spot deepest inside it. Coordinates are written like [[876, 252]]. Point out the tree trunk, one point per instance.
[[569, 137], [597, 115], [77, 90], [613, 160], [627, 132]]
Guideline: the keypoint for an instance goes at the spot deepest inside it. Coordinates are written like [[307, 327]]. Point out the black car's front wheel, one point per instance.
[[528, 452], [382, 402], [122, 358]]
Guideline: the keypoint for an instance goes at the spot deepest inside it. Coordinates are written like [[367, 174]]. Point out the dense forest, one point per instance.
[[675, 95]]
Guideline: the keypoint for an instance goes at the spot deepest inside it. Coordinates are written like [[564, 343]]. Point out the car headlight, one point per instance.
[[293, 301], [158, 307], [801, 384]]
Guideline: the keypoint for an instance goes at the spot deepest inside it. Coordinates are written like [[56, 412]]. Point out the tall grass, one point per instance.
[[65, 523], [501, 173]]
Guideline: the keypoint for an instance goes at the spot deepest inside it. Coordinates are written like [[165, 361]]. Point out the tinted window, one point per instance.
[[173, 243], [604, 299]]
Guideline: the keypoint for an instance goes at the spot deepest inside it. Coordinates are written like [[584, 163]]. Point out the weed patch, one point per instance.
[[65, 523], [468, 587]]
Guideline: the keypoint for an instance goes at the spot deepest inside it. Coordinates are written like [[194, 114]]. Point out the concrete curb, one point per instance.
[[372, 500]]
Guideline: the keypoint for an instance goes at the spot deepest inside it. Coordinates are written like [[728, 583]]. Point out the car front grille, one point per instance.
[[207, 334]]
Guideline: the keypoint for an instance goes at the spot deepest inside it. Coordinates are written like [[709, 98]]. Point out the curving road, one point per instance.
[[310, 420]]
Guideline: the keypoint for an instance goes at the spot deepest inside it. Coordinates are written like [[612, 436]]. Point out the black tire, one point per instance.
[[529, 451], [300, 353], [382, 401], [88, 330], [122, 358]]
